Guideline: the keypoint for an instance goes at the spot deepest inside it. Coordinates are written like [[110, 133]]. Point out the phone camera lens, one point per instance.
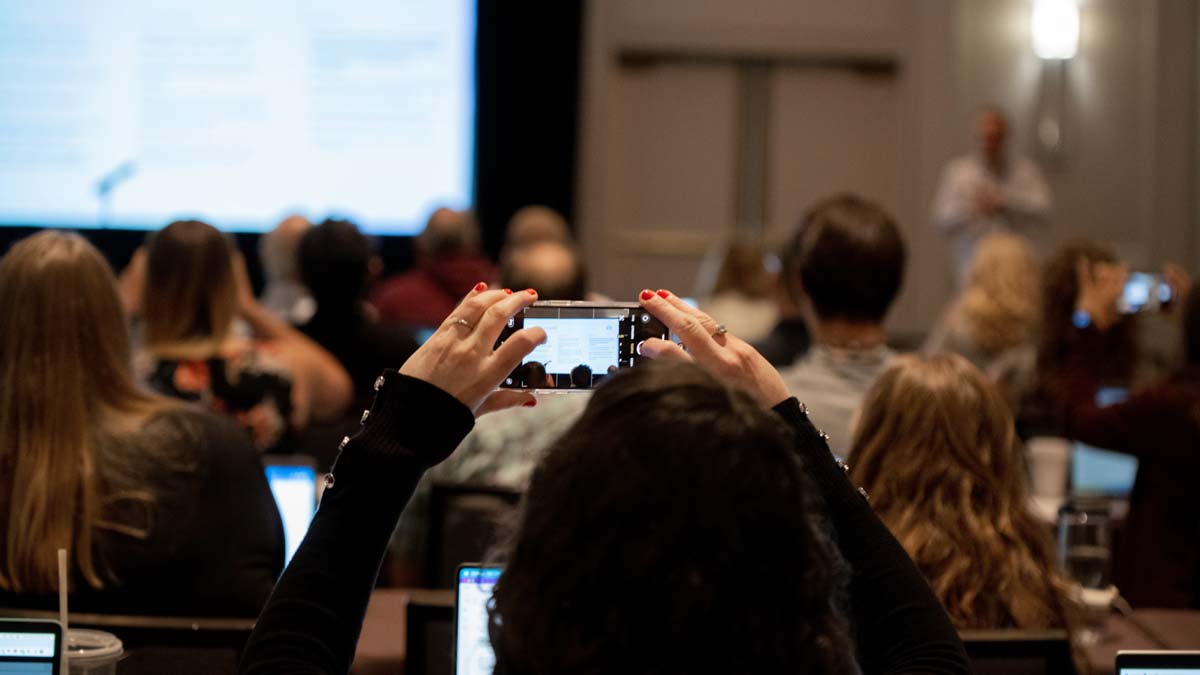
[[645, 318]]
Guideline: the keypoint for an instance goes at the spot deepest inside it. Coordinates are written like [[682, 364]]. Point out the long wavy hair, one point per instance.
[[937, 450], [71, 417], [190, 297], [671, 530], [1000, 302]]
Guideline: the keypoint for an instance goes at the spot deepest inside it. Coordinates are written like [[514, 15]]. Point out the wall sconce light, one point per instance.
[[1055, 29]]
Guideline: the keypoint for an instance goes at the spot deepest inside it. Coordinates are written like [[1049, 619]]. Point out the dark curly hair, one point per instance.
[[671, 530], [1060, 288]]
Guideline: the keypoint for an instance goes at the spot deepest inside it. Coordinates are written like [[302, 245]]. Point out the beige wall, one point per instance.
[[659, 141]]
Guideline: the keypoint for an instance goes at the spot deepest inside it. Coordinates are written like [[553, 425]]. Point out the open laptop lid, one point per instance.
[[473, 653], [293, 481], [30, 647], [1158, 663]]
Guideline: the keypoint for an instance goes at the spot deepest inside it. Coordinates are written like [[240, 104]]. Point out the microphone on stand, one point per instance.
[[109, 182]]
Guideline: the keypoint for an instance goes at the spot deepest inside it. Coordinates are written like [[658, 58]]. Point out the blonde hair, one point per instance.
[[68, 410], [1000, 300], [190, 295], [936, 449]]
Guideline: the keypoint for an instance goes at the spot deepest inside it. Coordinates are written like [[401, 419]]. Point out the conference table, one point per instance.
[[381, 648]]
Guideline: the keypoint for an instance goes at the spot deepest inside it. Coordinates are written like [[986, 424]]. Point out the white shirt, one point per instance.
[[1025, 203]]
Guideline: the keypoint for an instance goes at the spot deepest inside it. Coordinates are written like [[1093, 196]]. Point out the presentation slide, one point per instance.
[[574, 342], [133, 113]]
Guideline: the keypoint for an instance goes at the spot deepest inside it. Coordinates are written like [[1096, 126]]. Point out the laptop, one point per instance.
[[473, 653], [1157, 663], [293, 481], [30, 647], [1103, 473]]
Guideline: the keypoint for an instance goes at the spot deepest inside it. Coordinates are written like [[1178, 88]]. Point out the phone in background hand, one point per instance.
[[585, 343], [1145, 292]]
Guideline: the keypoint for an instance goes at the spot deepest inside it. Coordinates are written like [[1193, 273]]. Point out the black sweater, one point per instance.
[[214, 541], [313, 619]]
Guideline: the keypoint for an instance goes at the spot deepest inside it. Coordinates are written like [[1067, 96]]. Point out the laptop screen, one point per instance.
[[1158, 663], [29, 647], [1103, 473], [294, 486], [473, 653]]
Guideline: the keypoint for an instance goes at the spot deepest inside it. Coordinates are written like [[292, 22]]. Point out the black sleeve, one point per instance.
[[238, 542], [900, 626], [312, 621]]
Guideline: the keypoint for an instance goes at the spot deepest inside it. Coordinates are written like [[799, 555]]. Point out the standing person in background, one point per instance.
[[194, 287], [163, 507], [850, 265], [284, 295], [936, 449], [988, 190], [336, 264], [449, 263]]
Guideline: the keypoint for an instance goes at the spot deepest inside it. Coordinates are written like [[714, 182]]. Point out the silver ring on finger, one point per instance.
[[463, 322], [721, 330]]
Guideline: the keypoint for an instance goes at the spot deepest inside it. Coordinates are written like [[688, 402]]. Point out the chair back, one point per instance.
[[464, 520], [1019, 652]]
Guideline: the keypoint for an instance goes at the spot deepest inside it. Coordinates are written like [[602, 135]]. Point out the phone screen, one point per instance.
[[585, 343], [1144, 292]]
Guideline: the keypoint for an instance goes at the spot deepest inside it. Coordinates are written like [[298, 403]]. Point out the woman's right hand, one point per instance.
[[459, 358], [1100, 286], [723, 355]]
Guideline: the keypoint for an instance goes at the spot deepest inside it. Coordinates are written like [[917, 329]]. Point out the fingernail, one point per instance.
[[647, 294], [530, 291], [529, 404], [480, 286], [508, 291], [662, 293]]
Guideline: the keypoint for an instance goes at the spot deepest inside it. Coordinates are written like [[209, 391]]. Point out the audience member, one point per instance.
[[284, 294], [449, 263], [554, 269], [679, 526], [740, 295], [336, 264], [1157, 562], [993, 321], [163, 508], [989, 190], [789, 339], [849, 268], [936, 448], [194, 288], [536, 223]]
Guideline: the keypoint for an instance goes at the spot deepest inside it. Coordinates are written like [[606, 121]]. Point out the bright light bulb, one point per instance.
[[1055, 28]]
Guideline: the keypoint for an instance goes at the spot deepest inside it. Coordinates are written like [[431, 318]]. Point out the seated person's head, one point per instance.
[[936, 448], [65, 386], [846, 261], [536, 223], [743, 270], [671, 529], [336, 262], [447, 234], [555, 270], [191, 291], [1001, 299], [277, 249]]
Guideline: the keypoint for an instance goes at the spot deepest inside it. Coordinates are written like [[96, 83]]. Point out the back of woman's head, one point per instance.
[[936, 449], [671, 530], [1000, 301], [190, 294], [64, 377], [1060, 286]]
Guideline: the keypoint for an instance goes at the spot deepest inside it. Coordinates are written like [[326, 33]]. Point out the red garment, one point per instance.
[[1158, 561], [425, 296]]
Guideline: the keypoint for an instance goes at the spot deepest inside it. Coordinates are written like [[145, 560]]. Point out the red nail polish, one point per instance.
[[480, 286], [508, 291], [530, 291], [529, 404], [647, 294], [663, 293]]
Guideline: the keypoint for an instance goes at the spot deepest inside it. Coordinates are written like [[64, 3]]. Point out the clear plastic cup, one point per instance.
[[93, 652]]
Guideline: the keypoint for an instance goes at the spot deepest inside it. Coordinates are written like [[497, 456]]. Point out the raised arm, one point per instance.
[[900, 626], [312, 621]]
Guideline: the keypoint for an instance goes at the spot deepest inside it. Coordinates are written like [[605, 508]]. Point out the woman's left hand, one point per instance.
[[459, 357]]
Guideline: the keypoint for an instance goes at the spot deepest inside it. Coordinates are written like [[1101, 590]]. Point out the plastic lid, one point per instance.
[[89, 646]]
